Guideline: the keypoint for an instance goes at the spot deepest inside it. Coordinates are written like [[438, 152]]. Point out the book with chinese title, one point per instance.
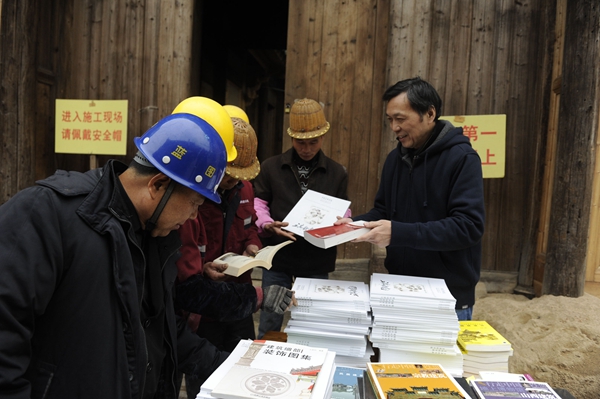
[[480, 336], [513, 389], [276, 370], [414, 380], [239, 264]]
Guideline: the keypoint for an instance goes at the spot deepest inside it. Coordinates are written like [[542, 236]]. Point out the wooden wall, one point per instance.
[[85, 49], [483, 56], [488, 57], [336, 54]]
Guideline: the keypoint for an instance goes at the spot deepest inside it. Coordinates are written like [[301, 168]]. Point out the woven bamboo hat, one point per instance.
[[307, 120], [245, 166]]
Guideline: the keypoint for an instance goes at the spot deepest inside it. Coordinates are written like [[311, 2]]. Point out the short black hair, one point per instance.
[[143, 170], [420, 94]]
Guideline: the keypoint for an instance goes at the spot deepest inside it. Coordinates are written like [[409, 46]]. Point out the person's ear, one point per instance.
[[431, 114], [158, 184]]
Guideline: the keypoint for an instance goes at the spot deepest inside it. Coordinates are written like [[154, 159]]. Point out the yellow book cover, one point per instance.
[[413, 380], [480, 336]]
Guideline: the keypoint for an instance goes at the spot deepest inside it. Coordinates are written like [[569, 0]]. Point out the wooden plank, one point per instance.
[[9, 70], [564, 273], [479, 87], [131, 77], [421, 38], [96, 50], [378, 128], [326, 73], [496, 208], [440, 44], [165, 69], [26, 92], [300, 21], [361, 115], [455, 95], [343, 92]]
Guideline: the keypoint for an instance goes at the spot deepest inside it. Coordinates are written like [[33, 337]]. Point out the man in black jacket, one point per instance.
[[429, 209], [281, 183], [88, 265]]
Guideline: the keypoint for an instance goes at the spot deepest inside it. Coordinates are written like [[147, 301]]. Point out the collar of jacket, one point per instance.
[[287, 158]]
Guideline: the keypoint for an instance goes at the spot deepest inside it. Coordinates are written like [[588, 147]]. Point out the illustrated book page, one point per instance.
[[238, 264], [479, 335], [314, 210], [330, 236], [308, 290], [418, 380], [273, 369], [392, 290]]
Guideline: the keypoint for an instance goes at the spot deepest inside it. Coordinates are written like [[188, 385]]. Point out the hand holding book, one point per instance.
[[380, 234]]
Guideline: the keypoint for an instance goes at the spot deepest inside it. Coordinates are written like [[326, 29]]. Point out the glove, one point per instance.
[[276, 299]]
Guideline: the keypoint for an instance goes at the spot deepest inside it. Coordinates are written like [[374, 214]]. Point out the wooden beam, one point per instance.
[[564, 273]]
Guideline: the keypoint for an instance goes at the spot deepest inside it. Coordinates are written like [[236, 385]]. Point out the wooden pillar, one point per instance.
[[564, 273]]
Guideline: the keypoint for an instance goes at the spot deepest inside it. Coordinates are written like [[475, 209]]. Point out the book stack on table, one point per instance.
[[332, 314], [483, 348], [270, 369], [414, 321]]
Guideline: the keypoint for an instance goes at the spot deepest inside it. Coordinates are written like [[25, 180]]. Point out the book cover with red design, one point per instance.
[[329, 236]]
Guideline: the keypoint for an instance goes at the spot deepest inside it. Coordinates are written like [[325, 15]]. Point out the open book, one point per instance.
[[238, 264]]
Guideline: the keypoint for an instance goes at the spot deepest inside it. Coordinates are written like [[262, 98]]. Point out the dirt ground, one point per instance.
[[555, 339]]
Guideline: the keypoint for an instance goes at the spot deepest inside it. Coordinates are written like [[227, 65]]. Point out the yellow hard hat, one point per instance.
[[215, 115], [236, 112]]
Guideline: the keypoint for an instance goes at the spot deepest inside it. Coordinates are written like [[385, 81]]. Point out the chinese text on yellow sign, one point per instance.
[[91, 127], [488, 137]]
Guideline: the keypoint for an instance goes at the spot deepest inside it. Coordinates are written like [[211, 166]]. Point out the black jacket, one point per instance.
[[69, 305], [435, 202], [278, 184]]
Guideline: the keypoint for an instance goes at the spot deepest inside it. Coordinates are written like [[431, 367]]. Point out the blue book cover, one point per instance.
[[348, 383]]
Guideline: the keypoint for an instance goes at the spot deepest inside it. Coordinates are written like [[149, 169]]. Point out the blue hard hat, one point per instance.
[[188, 150]]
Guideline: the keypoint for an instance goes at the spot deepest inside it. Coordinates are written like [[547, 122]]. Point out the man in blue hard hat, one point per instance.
[[88, 265]]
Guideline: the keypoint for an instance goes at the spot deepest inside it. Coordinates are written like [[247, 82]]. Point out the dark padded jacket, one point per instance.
[[435, 202], [278, 185], [69, 303]]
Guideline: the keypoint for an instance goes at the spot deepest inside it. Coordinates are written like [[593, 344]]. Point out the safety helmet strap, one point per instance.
[[151, 223]]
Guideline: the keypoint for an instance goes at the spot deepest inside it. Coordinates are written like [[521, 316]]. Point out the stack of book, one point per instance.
[[413, 380], [277, 370], [332, 314], [484, 348], [414, 321]]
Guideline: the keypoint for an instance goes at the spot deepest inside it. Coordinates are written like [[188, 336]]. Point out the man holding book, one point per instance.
[[221, 228], [282, 182], [429, 209]]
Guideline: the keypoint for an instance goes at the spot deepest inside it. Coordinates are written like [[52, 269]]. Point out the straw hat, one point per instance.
[[307, 120], [245, 166]]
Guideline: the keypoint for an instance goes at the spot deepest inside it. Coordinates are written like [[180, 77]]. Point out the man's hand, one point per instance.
[[341, 220], [251, 250], [214, 271], [380, 234], [276, 228], [277, 299]]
